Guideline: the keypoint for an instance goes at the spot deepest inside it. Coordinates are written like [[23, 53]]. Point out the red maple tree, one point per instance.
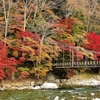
[[6, 64], [93, 44]]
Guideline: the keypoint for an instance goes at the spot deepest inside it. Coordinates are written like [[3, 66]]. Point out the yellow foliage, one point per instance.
[[87, 53], [68, 37], [78, 22], [48, 65], [81, 37], [49, 50], [30, 41], [12, 42], [39, 71], [15, 53], [27, 48], [52, 14], [44, 55]]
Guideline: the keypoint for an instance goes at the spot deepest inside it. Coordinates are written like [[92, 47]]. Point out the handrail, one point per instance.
[[77, 63]]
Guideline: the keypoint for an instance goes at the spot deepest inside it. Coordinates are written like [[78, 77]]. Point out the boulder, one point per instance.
[[47, 85]]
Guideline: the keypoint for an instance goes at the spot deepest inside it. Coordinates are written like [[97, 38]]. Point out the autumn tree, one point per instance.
[[88, 15], [26, 47], [33, 27], [6, 10], [93, 44], [7, 64], [65, 39]]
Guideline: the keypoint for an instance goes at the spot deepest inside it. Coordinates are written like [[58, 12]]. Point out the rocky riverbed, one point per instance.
[[52, 82]]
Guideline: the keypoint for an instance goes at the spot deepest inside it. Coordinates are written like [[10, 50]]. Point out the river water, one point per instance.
[[76, 93]]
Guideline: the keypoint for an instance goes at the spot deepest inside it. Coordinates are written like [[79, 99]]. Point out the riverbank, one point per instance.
[[83, 80], [77, 80]]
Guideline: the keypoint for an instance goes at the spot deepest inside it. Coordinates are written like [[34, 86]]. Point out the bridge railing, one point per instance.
[[88, 63]]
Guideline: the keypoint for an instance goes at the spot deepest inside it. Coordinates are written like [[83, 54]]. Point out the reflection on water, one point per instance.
[[78, 93]]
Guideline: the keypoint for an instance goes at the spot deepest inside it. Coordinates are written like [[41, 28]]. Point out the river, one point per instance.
[[76, 93]]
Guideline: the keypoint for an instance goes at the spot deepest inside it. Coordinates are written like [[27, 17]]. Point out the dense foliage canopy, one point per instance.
[[39, 32]]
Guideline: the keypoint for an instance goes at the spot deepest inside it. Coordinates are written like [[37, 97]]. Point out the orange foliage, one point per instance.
[[24, 74]]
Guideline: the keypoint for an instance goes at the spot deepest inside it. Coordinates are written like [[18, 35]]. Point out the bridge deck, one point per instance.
[[77, 64]]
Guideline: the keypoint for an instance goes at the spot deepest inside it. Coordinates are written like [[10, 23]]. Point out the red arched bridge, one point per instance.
[[77, 64]]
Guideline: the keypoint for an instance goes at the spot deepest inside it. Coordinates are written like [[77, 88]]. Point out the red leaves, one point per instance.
[[12, 61], [93, 44], [78, 55], [29, 44], [21, 59], [25, 34], [36, 37], [15, 48], [12, 69], [64, 28], [36, 52], [3, 52], [66, 23], [5, 62]]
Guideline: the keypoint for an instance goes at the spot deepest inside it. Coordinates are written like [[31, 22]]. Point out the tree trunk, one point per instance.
[[99, 70], [12, 75]]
